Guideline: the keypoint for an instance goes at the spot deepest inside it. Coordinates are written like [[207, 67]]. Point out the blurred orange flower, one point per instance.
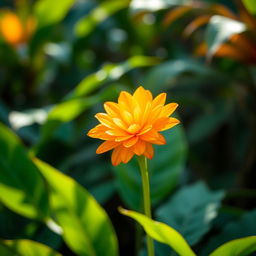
[[14, 31], [132, 125]]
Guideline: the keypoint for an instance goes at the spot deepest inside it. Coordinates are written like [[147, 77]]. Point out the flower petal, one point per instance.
[[149, 136], [142, 96], [159, 100], [99, 132], [123, 138], [145, 129], [171, 123], [120, 123], [125, 101], [160, 140], [105, 119], [127, 116], [139, 148], [112, 108], [106, 146], [117, 132], [129, 143], [126, 155], [149, 152], [116, 156], [169, 109]]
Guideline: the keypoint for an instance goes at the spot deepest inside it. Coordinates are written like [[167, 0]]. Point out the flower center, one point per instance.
[[133, 128]]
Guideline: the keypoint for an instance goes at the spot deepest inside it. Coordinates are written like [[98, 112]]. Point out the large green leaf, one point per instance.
[[219, 30], [165, 169], [22, 188], [23, 247], [161, 233], [50, 12], [239, 247], [245, 226], [86, 226], [166, 74], [85, 25], [109, 73], [250, 5], [207, 123], [191, 211]]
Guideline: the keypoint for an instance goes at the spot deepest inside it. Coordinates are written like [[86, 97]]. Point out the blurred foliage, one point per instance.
[[60, 60]]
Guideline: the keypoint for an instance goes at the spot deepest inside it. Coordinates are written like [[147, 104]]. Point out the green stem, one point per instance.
[[146, 198]]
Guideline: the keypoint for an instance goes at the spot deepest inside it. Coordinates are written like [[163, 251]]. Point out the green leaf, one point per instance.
[[50, 12], [207, 123], [219, 30], [250, 5], [245, 226], [22, 188], [88, 23], [166, 73], [67, 111], [23, 247], [161, 233], [86, 227], [239, 247], [165, 168], [155, 5], [4, 250], [110, 73], [191, 211]]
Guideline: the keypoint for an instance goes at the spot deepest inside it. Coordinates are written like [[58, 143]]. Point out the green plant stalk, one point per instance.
[[146, 198]]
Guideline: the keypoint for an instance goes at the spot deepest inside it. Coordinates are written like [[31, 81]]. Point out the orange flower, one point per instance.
[[14, 31], [132, 125]]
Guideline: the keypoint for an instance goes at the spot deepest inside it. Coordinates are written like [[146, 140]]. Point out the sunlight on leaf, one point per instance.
[[85, 25], [110, 72], [49, 12], [250, 5], [23, 247], [161, 233], [86, 227], [219, 30], [22, 189], [239, 247]]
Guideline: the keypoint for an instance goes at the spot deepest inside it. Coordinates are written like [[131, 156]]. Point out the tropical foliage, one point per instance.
[[61, 60]]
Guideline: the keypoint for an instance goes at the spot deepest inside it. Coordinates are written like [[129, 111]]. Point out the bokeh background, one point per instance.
[[60, 60]]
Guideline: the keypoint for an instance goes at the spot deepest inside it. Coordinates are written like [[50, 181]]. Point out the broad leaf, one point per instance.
[[219, 30], [167, 73], [22, 188], [165, 168], [109, 73], [161, 233], [239, 247], [250, 5], [245, 226], [85, 25], [69, 110], [22, 247], [86, 227], [191, 211], [207, 123], [50, 12]]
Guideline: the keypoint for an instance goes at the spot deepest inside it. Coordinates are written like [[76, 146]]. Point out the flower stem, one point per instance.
[[146, 198]]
